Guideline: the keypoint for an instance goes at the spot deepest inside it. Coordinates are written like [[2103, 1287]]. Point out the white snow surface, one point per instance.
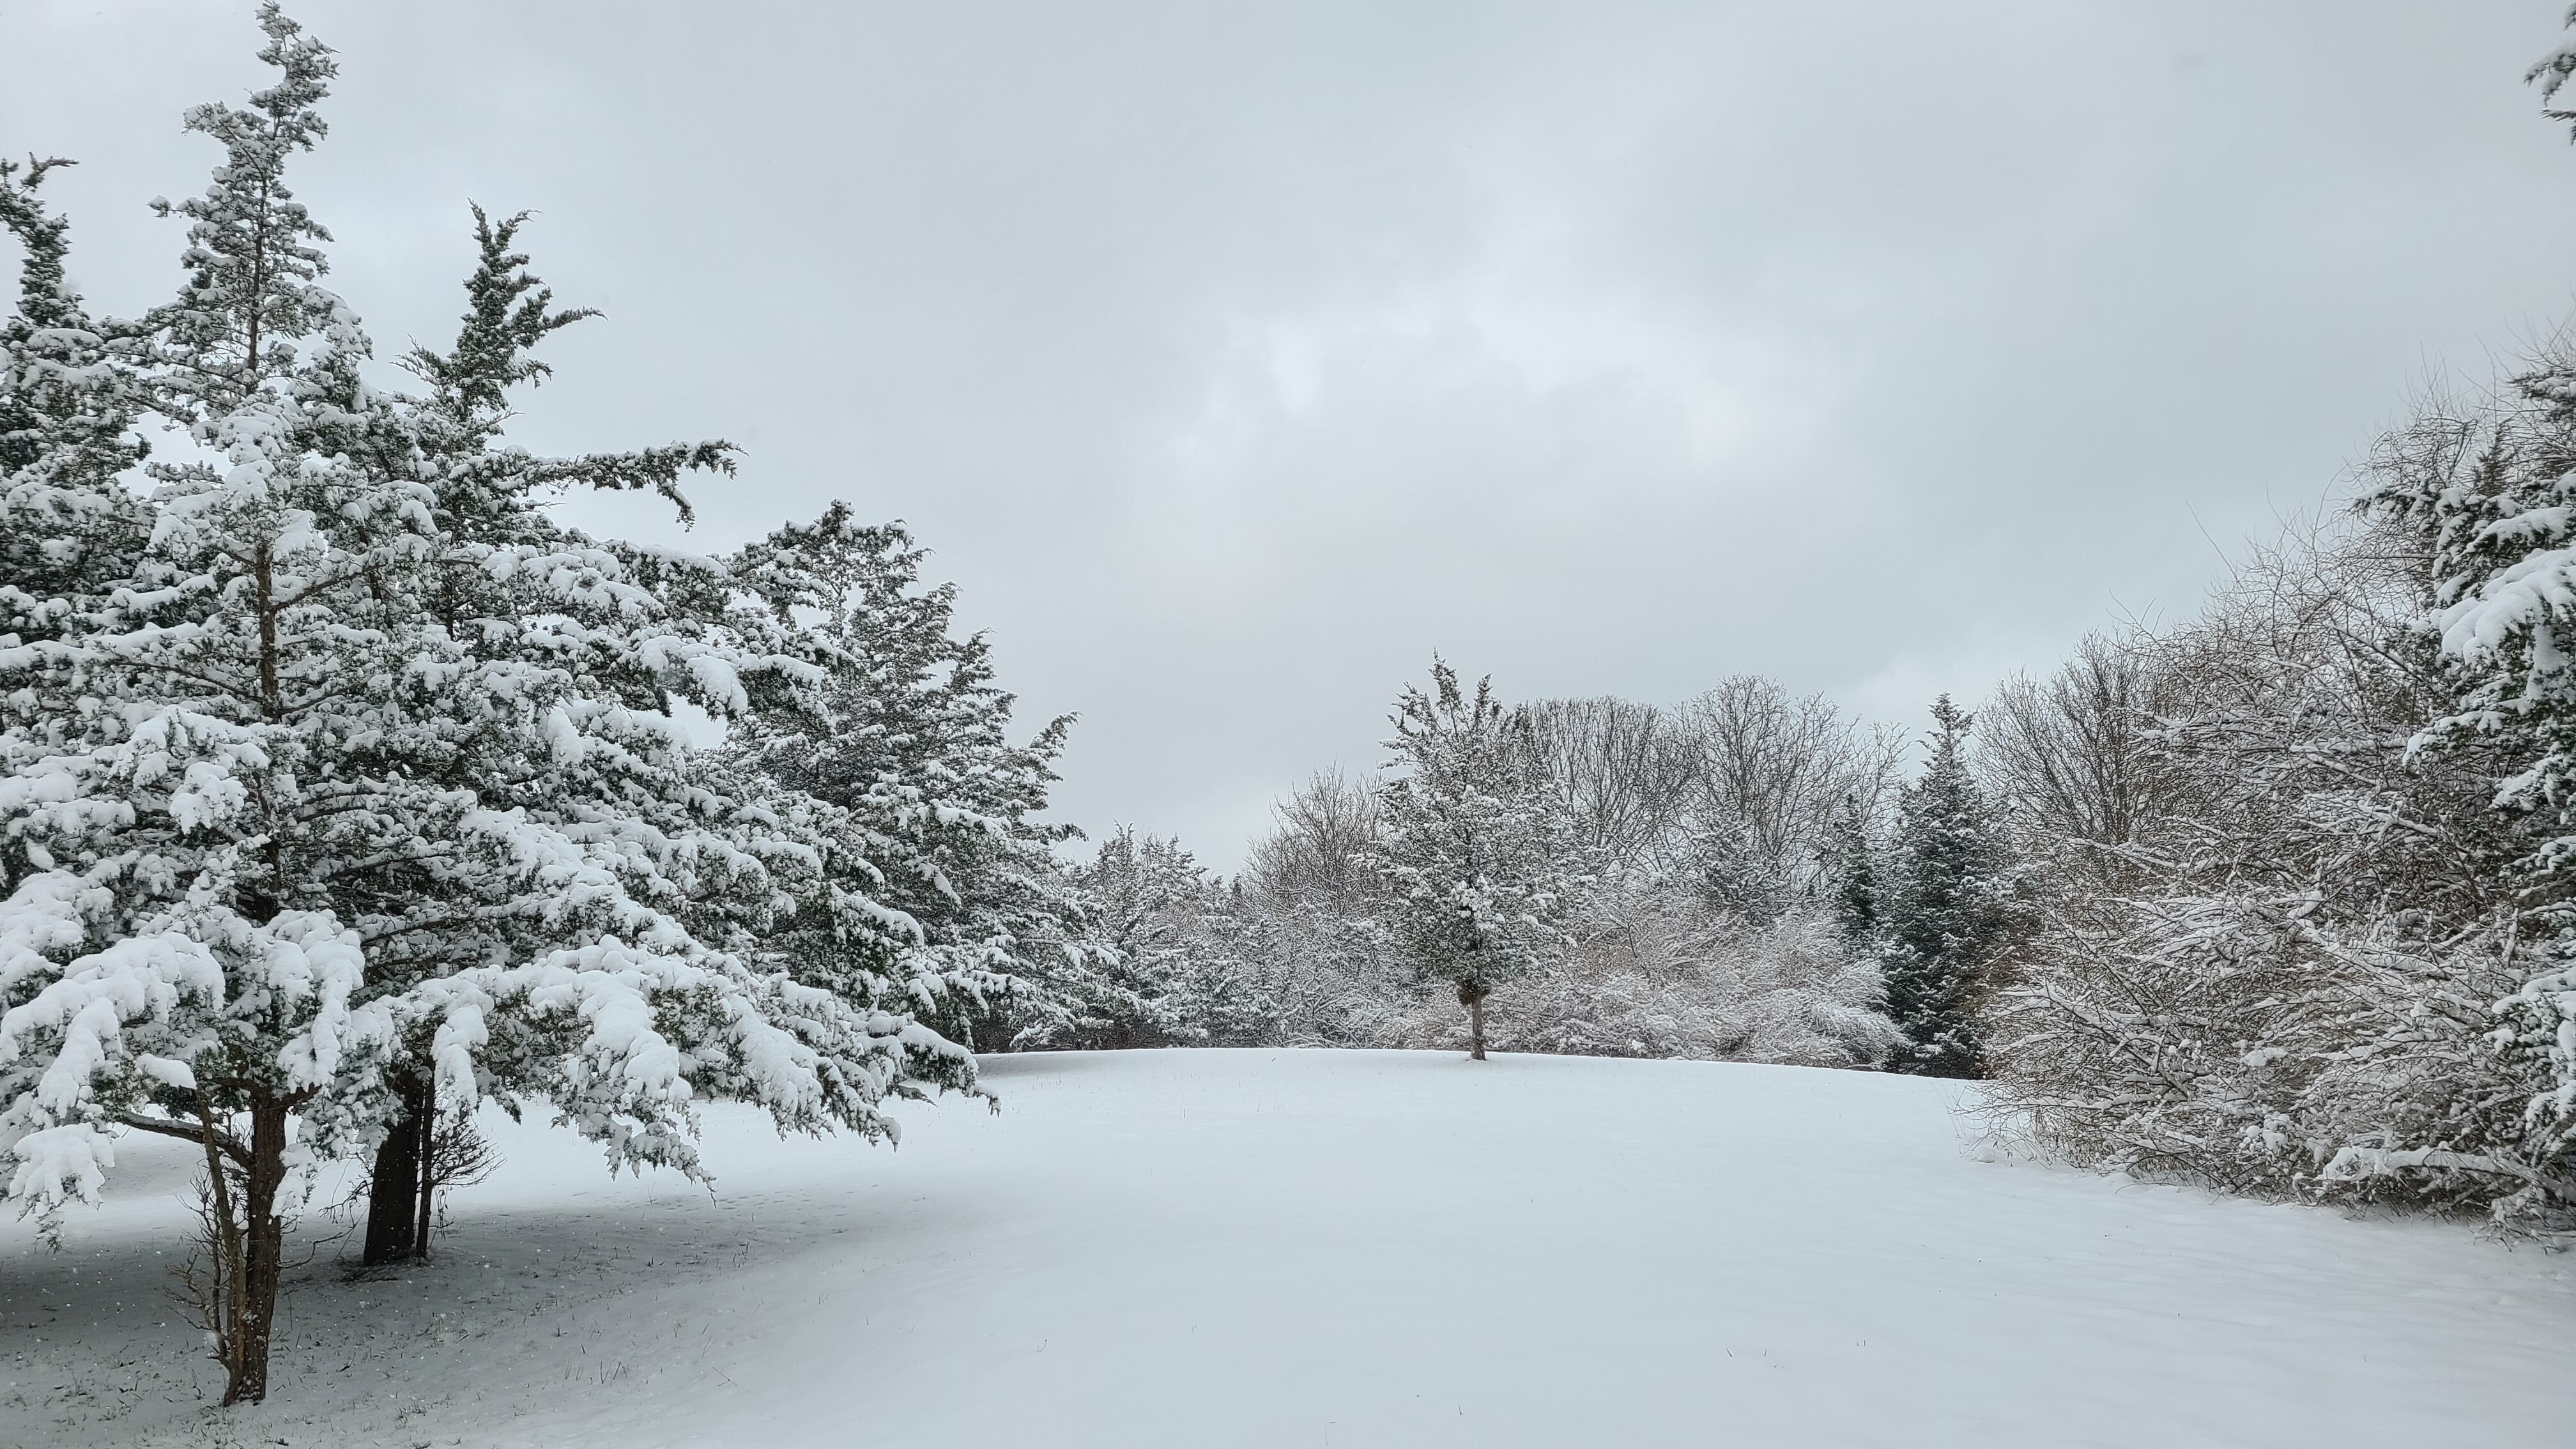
[[1328, 1248]]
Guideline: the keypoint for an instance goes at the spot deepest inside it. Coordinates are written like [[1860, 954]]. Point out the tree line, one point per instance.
[[1595, 876]]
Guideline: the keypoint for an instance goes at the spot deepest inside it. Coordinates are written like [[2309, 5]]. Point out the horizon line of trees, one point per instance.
[[1746, 876]]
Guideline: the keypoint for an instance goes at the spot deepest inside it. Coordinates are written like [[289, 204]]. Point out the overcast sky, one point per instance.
[[1233, 359]]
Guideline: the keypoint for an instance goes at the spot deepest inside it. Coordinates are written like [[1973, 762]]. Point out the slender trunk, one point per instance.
[[223, 1304], [401, 1165], [264, 576], [1471, 995], [427, 1116], [264, 1250]]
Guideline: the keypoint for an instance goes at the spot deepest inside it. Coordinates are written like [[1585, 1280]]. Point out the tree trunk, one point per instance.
[[264, 1251], [401, 1163], [426, 1116], [221, 1301], [1471, 994]]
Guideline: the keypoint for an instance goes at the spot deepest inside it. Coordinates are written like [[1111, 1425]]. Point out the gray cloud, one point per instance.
[[1235, 359]]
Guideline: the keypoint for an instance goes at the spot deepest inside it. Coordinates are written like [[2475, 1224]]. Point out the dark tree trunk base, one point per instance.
[[1471, 995], [425, 1128], [264, 1255], [395, 1229]]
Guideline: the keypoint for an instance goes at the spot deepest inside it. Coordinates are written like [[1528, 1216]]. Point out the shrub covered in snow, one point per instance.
[[2285, 976], [1663, 974]]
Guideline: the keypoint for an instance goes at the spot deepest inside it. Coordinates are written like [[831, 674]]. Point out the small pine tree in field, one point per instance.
[[1944, 914], [1481, 860]]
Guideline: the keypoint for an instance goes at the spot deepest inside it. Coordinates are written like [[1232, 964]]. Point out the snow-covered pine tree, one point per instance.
[[549, 638], [173, 964], [1945, 914], [609, 873], [1161, 929], [1851, 877], [860, 854], [1482, 860], [1855, 887], [70, 530], [938, 893]]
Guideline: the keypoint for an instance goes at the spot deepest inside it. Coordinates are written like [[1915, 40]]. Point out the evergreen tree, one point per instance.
[[1482, 860], [1945, 914], [69, 528], [1172, 946], [179, 780], [1851, 865], [540, 628], [938, 892], [1161, 969]]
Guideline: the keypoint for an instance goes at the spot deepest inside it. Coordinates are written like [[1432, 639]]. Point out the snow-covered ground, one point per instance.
[[1328, 1248]]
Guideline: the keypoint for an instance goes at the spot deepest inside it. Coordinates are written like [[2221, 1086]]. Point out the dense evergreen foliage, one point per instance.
[[1945, 916]]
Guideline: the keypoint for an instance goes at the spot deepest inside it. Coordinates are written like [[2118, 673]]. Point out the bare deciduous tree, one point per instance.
[[2067, 756], [1318, 852], [1622, 770], [1770, 774]]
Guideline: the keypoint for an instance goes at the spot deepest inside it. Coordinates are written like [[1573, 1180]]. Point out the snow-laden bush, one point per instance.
[[2485, 496], [2284, 978], [2255, 1042], [1649, 972]]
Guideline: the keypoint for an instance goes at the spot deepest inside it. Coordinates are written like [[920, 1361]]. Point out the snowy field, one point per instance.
[[1326, 1248]]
